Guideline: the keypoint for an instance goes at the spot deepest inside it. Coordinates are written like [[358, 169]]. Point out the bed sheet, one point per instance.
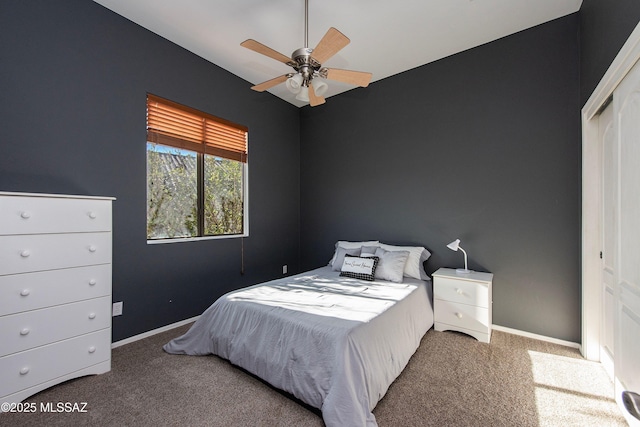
[[335, 343]]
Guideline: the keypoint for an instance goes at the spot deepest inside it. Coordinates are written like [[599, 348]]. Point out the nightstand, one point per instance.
[[462, 302]]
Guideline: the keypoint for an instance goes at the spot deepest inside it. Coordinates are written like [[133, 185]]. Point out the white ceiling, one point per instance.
[[387, 37]]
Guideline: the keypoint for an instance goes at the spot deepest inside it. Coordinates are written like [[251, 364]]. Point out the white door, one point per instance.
[[626, 99], [609, 221]]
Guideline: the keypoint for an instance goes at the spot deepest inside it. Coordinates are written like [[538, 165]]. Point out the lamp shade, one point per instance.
[[294, 83], [455, 245], [303, 95], [319, 87]]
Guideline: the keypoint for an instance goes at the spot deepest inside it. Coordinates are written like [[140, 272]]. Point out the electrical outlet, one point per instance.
[[284, 269], [117, 309]]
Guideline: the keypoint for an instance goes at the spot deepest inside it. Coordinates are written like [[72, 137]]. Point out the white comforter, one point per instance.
[[333, 342]]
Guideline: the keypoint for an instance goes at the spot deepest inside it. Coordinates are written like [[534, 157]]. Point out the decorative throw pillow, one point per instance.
[[415, 263], [340, 254], [359, 268], [391, 265]]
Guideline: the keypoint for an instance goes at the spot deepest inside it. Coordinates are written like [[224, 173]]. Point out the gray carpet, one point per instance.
[[452, 380]]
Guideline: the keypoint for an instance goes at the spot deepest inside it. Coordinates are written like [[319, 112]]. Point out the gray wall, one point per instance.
[[483, 146], [73, 84], [605, 26]]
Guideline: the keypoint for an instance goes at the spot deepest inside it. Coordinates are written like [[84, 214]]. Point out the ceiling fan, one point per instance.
[[307, 63]]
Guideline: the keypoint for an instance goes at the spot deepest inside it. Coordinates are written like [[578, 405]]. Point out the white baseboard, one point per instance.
[[153, 332], [494, 327], [535, 336]]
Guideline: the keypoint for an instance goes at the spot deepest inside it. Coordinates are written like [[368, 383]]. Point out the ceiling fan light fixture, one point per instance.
[[307, 64], [319, 87], [294, 84], [303, 95]]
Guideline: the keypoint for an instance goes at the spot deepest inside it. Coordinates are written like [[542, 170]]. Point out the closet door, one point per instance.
[[609, 234], [627, 122]]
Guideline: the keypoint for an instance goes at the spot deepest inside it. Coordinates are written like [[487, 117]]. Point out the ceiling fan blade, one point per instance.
[[330, 44], [358, 78], [265, 50], [314, 100], [270, 83]]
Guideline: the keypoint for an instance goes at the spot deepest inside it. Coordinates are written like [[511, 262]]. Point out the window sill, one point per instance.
[[194, 239]]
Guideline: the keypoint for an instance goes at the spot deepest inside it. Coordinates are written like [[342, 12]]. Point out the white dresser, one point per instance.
[[55, 290], [462, 302]]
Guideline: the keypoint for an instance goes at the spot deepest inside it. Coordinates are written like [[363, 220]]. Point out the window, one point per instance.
[[196, 173]]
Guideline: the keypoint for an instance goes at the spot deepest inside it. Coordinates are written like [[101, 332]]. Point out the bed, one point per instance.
[[333, 340]]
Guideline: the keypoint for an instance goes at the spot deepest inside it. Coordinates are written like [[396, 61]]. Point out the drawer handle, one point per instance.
[[25, 215], [92, 349], [24, 371], [25, 253], [92, 316], [25, 292], [92, 215], [459, 315], [459, 291], [92, 248], [25, 331], [92, 282]]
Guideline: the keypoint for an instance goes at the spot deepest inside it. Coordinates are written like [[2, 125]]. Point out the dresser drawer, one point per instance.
[[462, 315], [462, 291], [30, 253], [29, 368], [31, 215], [30, 291], [31, 329]]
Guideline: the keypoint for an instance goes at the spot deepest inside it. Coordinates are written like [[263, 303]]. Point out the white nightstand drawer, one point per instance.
[[462, 315], [461, 291], [30, 291], [29, 368], [39, 327], [29, 253], [30, 215]]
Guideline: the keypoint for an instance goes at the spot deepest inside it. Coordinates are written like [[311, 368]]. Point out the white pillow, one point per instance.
[[391, 265], [359, 268], [415, 263], [350, 245]]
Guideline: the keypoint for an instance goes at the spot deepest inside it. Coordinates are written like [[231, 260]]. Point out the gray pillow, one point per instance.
[[391, 265], [368, 250], [351, 245], [415, 264], [340, 254]]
